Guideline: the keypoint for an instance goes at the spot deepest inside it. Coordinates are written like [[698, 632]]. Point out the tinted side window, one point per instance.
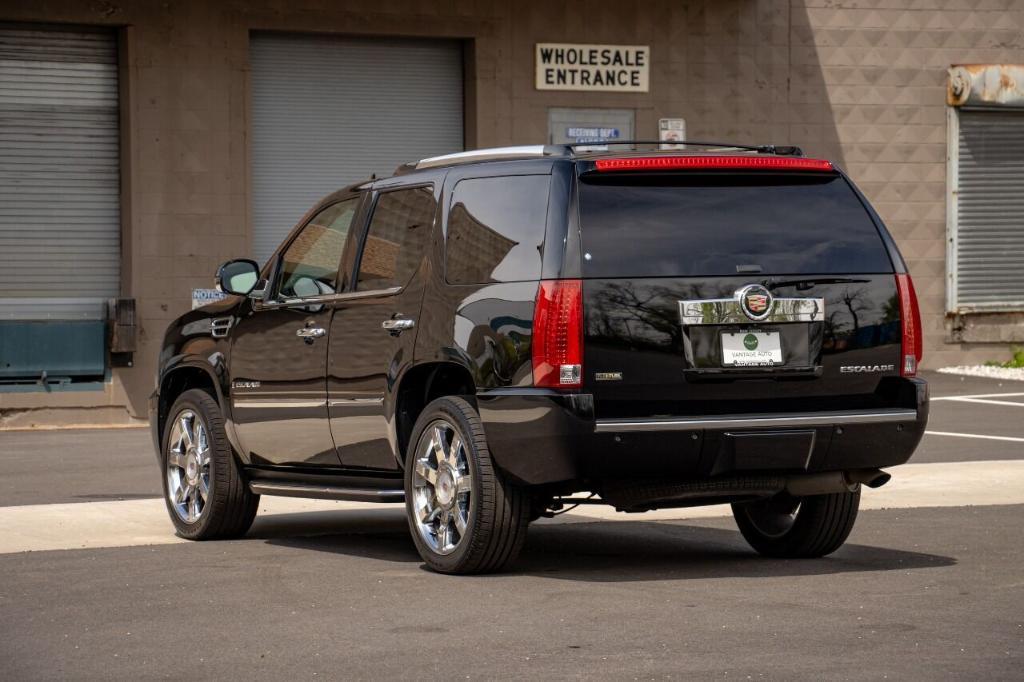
[[693, 225], [398, 234], [496, 229], [309, 266]]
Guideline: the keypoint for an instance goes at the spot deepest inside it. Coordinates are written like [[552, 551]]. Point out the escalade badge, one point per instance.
[[755, 301], [863, 369]]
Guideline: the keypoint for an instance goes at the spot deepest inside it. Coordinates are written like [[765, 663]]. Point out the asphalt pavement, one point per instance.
[[77, 465], [920, 592]]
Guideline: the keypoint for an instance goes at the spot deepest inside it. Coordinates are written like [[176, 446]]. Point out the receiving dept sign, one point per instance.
[[603, 68], [591, 139]]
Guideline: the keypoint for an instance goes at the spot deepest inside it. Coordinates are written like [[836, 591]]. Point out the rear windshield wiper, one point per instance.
[[808, 282]]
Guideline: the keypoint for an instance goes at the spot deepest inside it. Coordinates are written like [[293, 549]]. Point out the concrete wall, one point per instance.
[[863, 85]]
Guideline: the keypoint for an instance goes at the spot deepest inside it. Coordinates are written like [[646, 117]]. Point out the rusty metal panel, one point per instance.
[[989, 210], [986, 85]]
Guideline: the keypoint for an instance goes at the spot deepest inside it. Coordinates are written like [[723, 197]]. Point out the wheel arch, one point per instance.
[[418, 387], [180, 379]]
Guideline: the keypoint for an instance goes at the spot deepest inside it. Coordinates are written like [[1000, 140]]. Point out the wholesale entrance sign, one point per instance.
[[608, 68]]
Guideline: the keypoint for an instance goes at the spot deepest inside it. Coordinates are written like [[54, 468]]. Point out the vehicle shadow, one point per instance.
[[599, 551], [371, 533], [631, 551]]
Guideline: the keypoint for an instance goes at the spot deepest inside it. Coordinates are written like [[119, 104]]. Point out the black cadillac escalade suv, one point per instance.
[[490, 336]]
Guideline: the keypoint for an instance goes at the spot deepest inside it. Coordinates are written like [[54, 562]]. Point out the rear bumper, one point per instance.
[[538, 436], [762, 421]]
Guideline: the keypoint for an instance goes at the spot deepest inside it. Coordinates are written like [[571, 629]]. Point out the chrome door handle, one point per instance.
[[396, 327], [310, 333]]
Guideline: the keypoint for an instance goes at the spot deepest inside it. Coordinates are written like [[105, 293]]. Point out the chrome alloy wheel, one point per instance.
[[188, 466], [442, 485]]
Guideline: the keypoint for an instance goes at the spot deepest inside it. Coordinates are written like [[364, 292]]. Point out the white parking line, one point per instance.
[[979, 395], [986, 401], [131, 523], [974, 435]]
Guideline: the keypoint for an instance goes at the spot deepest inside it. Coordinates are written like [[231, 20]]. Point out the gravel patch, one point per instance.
[[1011, 373]]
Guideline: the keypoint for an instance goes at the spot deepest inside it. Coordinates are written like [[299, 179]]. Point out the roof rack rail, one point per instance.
[[486, 154], [563, 150], [780, 150]]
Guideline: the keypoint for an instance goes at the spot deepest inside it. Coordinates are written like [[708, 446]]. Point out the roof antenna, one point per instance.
[[373, 176]]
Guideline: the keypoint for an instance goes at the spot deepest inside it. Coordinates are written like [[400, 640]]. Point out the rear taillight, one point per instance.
[[654, 163], [910, 320], [557, 345]]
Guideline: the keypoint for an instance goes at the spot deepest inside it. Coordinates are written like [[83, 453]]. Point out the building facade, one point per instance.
[[146, 142]]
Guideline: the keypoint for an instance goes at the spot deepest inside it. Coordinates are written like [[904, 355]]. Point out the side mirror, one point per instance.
[[238, 277]]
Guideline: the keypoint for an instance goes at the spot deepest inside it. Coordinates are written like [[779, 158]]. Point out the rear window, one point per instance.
[[693, 225]]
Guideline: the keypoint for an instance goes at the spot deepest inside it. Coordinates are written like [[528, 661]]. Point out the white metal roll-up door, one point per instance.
[[59, 173], [990, 210], [329, 111]]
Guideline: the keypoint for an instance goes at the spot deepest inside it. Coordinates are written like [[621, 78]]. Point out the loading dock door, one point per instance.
[[989, 210], [59, 184], [59, 200], [329, 111]]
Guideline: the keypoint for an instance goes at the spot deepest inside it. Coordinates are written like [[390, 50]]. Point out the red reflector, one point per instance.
[[557, 345], [910, 320], [713, 162]]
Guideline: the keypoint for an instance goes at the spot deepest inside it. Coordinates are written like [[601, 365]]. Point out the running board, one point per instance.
[[324, 492]]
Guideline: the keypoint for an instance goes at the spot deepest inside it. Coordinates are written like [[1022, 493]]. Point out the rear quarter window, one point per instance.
[[496, 229], [697, 225]]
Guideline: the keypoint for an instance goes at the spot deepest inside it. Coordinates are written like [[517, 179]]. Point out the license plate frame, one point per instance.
[[739, 351]]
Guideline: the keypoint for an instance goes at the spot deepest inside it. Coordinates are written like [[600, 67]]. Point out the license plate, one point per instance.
[[751, 349]]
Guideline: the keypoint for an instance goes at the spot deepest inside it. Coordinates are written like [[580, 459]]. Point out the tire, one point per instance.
[[228, 508], [789, 527], [464, 518]]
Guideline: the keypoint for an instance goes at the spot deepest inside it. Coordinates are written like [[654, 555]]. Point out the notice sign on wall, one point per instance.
[[608, 68], [201, 297]]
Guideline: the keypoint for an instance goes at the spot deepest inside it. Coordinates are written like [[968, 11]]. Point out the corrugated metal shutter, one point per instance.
[[60, 221], [328, 111], [990, 210]]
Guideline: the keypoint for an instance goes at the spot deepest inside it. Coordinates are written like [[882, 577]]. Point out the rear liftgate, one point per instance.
[[737, 326]]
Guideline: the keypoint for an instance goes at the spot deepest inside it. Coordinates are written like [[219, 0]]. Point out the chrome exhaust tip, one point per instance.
[[872, 478], [831, 482]]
